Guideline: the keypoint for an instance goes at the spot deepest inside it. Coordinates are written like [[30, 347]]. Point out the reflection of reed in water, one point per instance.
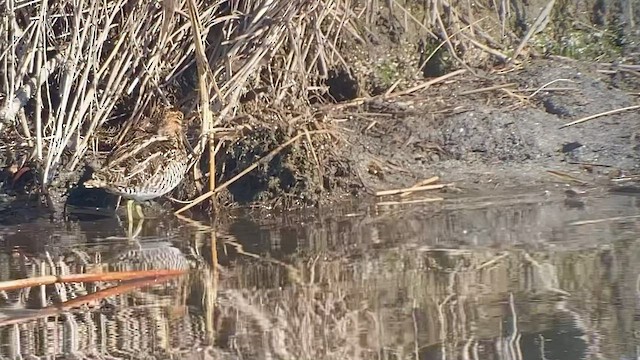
[[142, 324], [407, 303], [156, 319], [356, 296], [134, 328]]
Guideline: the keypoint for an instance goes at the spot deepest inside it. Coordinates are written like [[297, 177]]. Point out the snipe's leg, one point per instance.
[[135, 234], [130, 220], [130, 205], [139, 211]]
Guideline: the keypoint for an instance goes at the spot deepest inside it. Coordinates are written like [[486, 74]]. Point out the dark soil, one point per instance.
[[492, 140]]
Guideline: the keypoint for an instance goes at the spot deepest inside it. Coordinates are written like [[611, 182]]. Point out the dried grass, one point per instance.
[[69, 68], [69, 65]]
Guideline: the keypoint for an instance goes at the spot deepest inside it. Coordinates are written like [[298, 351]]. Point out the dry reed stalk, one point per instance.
[[539, 24], [545, 86], [412, 189], [204, 75], [110, 52], [490, 88], [422, 86], [591, 117], [424, 182], [566, 177], [549, 89], [409, 202]]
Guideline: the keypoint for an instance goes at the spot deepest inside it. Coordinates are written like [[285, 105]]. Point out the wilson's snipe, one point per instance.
[[147, 166]]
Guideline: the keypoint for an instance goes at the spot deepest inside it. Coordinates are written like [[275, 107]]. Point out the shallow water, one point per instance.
[[536, 275]]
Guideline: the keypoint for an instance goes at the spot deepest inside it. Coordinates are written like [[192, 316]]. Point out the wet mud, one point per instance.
[[494, 139]]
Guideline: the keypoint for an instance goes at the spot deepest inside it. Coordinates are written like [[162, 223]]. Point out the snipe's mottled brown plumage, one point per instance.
[[147, 166]]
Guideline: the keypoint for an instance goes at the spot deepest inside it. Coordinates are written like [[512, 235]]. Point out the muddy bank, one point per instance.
[[352, 123], [499, 138], [460, 130], [480, 140]]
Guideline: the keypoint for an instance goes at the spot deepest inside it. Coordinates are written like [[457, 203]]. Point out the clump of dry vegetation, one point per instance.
[[256, 78]]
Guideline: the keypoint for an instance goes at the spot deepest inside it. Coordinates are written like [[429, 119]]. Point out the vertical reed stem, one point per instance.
[[203, 72]]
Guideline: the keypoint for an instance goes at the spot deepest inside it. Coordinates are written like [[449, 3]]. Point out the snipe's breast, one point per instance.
[[154, 186]]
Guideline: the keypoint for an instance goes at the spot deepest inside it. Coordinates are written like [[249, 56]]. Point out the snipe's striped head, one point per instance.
[[171, 124]]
